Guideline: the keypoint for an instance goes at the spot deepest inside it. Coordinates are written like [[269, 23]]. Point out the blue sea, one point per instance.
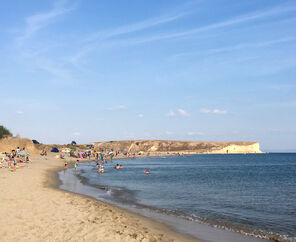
[[251, 194]]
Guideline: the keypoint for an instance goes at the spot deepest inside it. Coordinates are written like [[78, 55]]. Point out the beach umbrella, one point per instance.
[[23, 153]]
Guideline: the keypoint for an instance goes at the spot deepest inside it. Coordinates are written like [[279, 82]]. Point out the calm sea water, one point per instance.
[[254, 193]]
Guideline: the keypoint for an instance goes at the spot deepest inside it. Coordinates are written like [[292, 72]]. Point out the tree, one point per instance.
[[73, 143], [4, 132]]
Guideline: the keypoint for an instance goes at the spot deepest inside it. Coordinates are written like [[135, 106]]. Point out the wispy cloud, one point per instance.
[[182, 112], [134, 27], [278, 10], [140, 115], [95, 40], [111, 38], [35, 55], [238, 47], [253, 45], [76, 134], [38, 21], [214, 111]]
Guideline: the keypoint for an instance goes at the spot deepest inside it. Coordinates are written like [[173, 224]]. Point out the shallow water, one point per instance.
[[254, 193]]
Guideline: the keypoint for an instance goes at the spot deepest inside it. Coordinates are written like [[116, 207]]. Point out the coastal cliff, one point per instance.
[[168, 146], [142, 146]]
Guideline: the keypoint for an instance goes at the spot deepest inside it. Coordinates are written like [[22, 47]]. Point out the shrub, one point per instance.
[[4, 132]]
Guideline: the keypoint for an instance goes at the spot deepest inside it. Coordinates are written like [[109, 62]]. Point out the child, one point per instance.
[[14, 165]]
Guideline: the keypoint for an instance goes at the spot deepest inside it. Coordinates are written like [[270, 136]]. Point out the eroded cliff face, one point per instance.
[[11, 143], [237, 149]]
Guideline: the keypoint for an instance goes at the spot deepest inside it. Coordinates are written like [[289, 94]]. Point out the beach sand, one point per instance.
[[33, 209]]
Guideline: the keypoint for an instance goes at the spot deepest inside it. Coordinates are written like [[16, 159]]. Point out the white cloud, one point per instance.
[[214, 111], [19, 112], [171, 114], [194, 133], [76, 134], [182, 112], [120, 107], [219, 111], [140, 115]]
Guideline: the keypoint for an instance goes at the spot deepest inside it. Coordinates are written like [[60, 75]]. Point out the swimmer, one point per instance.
[[147, 171], [101, 169], [117, 166]]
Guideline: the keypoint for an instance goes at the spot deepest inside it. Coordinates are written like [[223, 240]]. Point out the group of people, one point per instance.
[[118, 166], [15, 157], [100, 158]]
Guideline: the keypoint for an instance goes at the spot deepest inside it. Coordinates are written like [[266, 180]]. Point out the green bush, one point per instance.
[[4, 132]]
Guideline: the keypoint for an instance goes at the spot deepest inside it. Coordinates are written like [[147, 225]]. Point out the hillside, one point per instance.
[[143, 146], [11, 143], [171, 146]]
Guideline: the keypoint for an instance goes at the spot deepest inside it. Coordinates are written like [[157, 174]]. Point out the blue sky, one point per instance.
[[186, 70]]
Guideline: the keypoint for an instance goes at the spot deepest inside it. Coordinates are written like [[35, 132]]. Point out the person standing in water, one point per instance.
[[75, 166]]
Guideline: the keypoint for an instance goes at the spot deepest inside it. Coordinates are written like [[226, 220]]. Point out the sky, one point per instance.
[[219, 70]]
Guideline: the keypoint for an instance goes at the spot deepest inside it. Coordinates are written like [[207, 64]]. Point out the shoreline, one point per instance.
[[197, 229], [35, 209], [56, 182]]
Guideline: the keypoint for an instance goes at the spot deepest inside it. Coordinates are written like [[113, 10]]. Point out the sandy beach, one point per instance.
[[33, 209]]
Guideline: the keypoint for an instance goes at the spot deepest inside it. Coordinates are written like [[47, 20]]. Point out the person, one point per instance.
[[147, 171], [100, 169], [117, 166], [66, 163], [11, 159], [14, 165], [75, 166], [27, 159]]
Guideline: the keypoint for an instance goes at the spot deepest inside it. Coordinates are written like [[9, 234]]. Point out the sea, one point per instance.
[[250, 194]]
